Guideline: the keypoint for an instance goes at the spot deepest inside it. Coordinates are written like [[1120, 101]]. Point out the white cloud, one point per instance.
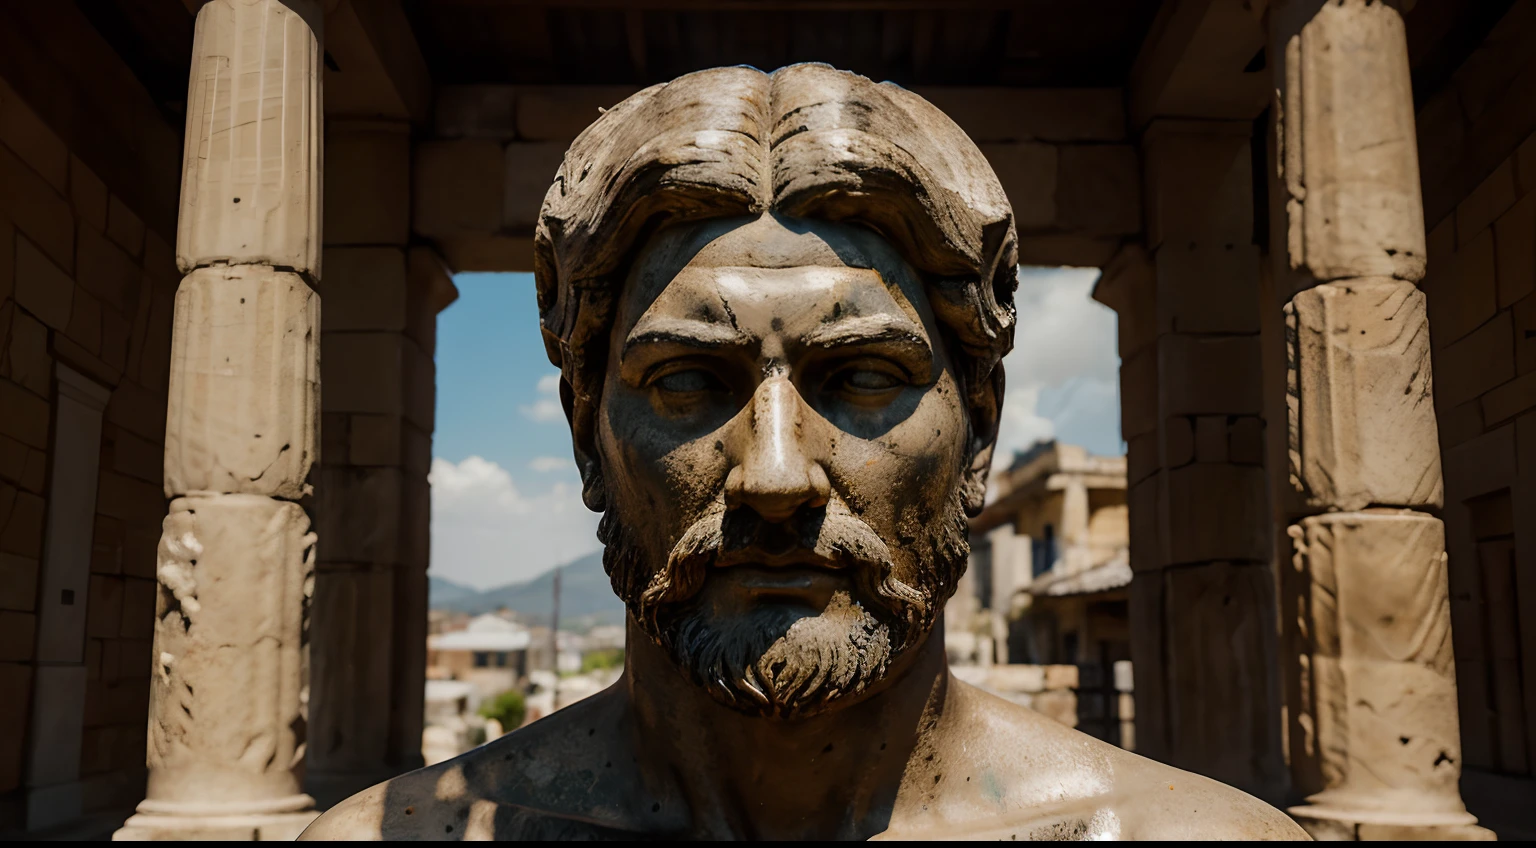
[[546, 464], [546, 406], [485, 532], [1063, 374]]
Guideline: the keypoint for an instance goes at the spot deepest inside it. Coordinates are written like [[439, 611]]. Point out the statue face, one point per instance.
[[782, 439]]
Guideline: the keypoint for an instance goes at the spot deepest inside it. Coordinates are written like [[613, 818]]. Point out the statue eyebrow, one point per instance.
[[690, 333], [871, 329]]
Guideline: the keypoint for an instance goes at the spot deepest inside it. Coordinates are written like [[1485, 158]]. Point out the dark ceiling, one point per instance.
[[1053, 43], [947, 42]]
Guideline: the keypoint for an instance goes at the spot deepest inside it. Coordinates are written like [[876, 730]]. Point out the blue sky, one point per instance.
[[490, 359], [506, 501]]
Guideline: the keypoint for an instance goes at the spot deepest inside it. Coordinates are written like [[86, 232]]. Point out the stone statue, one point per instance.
[[778, 303]]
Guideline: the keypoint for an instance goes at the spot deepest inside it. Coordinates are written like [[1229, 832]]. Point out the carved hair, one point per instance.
[[806, 141]]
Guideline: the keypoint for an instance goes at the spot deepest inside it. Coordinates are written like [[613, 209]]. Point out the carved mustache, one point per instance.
[[831, 537]]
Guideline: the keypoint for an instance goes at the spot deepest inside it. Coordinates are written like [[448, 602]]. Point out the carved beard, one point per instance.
[[776, 660]]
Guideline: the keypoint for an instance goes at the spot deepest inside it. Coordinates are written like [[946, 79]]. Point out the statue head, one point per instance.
[[779, 303]]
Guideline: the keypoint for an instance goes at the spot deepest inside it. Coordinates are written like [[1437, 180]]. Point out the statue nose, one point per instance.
[[775, 475]]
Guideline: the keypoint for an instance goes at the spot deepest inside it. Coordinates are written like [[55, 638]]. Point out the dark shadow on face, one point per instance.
[[676, 282], [775, 352]]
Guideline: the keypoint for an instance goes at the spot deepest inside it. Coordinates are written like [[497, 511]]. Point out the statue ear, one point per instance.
[[582, 418], [986, 409]]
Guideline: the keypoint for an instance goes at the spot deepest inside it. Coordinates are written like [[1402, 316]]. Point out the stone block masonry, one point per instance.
[[1481, 293], [86, 280], [1192, 412], [372, 498]]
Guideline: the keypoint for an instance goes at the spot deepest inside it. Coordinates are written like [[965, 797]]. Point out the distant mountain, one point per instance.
[[442, 594], [586, 596]]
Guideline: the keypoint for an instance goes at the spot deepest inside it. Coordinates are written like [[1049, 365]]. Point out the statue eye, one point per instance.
[[689, 381], [868, 381]]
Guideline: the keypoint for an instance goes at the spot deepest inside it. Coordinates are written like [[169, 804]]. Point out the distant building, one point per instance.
[[491, 653], [446, 621], [451, 720], [1049, 565], [1041, 615], [572, 647], [605, 637]]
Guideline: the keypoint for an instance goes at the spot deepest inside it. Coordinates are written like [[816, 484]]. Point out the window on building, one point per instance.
[[981, 563], [1069, 643], [501, 659], [482, 659], [1043, 551]]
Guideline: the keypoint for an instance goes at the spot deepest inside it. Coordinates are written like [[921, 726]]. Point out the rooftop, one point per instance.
[[1047, 466], [487, 632]]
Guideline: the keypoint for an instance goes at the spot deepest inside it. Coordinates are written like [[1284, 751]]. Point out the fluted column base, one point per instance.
[[1328, 824], [277, 820]]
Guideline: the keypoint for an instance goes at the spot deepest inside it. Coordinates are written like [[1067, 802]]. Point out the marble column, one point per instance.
[[230, 688], [1373, 734]]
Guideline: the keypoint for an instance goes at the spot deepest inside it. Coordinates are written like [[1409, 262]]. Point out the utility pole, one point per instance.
[[554, 638]]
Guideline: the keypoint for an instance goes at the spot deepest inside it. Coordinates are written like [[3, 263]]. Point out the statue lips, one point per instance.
[[799, 560], [797, 577]]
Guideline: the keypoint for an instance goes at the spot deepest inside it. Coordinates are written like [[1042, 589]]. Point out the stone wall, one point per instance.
[[1192, 414], [87, 280], [373, 505], [1479, 172], [1483, 338]]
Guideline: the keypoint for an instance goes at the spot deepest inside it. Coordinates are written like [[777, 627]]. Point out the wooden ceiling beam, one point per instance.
[[1198, 62], [375, 68]]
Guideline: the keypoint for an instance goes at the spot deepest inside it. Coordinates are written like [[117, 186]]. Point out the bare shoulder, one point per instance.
[[361, 818], [532, 783], [1158, 801], [1025, 776], [437, 802]]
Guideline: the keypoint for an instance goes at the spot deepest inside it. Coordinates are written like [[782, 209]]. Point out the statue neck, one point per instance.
[[831, 776]]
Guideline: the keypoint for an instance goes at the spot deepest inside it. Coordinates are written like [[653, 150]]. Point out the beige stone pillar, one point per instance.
[[1202, 597], [229, 694], [373, 509], [1373, 734]]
